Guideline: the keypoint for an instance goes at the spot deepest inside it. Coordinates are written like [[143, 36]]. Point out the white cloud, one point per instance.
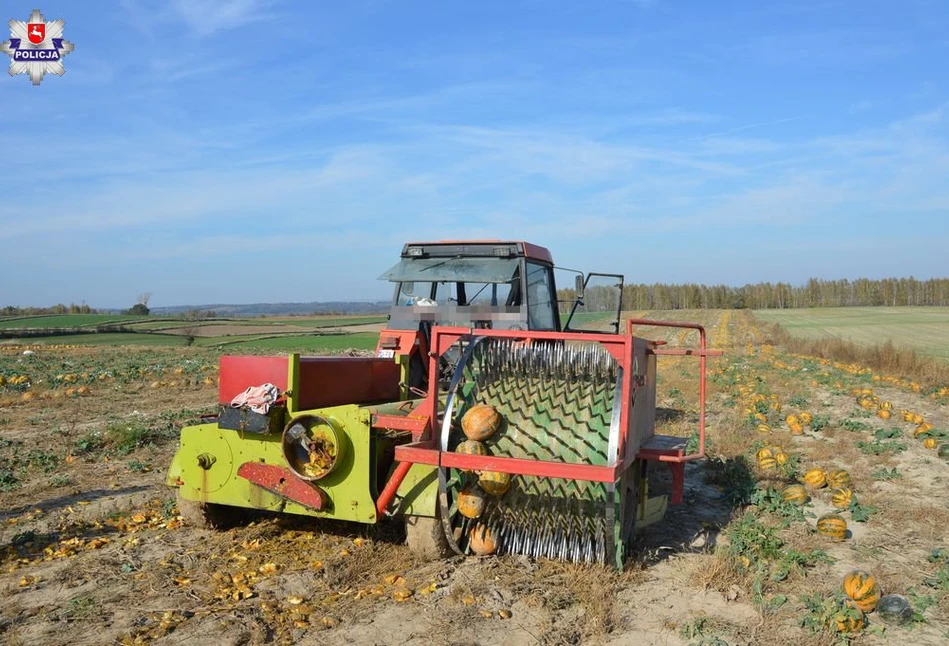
[[206, 17]]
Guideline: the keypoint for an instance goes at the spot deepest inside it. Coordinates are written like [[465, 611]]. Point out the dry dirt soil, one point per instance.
[[93, 551]]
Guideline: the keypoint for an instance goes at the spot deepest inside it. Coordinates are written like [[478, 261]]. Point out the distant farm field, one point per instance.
[[305, 333], [67, 320], [925, 329]]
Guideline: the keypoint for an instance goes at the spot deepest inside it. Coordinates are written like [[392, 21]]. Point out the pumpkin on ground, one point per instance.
[[838, 478], [796, 428], [806, 418], [884, 414], [796, 495], [815, 478], [480, 422], [767, 463], [781, 457], [922, 428], [930, 442], [863, 589], [895, 609], [849, 619], [832, 526], [792, 419], [764, 453], [841, 498], [763, 428]]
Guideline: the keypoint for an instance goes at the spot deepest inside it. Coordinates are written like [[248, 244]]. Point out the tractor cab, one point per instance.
[[497, 285]]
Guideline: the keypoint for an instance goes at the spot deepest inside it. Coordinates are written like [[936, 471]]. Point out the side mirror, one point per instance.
[[578, 286]]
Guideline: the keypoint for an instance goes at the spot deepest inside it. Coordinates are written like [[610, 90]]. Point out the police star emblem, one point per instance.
[[36, 47]]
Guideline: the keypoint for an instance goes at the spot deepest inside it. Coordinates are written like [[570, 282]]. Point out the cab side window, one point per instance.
[[541, 307]]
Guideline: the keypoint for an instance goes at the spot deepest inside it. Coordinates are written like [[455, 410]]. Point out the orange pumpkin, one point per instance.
[[767, 463], [862, 588], [832, 526], [796, 495], [923, 428], [838, 478], [806, 418], [815, 479], [471, 502], [471, 447], [763, 454], [930, 443], [481, 541], [849, 619], [842, 498], [480, 422], [495, 483], [796, 429], [781, 457]]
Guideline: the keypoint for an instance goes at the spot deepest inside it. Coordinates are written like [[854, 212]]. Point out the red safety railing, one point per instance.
[[702, 353]]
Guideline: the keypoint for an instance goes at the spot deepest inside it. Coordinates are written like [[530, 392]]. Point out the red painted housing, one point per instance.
[[660, 448], [237, 374]]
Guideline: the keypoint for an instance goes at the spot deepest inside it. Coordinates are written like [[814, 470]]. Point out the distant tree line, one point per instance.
[[815, 293], [59, 308]]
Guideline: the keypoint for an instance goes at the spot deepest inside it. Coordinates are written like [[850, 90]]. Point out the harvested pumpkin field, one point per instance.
[[816, 469]]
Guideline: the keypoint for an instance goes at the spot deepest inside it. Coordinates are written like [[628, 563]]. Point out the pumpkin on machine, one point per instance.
[[480, 422], [481, 541], [495, 483], [863, 589], [471, 501], [471, 447]]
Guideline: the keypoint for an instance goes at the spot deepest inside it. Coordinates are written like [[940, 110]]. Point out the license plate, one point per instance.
[[386, 354]]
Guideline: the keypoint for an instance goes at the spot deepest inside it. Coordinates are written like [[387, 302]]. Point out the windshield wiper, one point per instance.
[[439, 264]]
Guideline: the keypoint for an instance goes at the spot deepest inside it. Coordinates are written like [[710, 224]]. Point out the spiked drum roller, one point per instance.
[[557, 402]]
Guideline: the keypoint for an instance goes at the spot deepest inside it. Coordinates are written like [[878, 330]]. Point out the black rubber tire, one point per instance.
[[206, 515], [426, 537]]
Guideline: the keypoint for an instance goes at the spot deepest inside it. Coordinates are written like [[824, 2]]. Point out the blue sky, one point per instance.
[[243, 150]]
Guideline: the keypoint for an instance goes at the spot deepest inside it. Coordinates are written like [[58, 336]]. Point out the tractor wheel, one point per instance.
[[205, 515], [426, 537]]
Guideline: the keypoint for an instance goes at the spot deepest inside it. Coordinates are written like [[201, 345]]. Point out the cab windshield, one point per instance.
[[491, 282]]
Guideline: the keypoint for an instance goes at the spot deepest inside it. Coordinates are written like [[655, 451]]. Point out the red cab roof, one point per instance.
[[533, 251]]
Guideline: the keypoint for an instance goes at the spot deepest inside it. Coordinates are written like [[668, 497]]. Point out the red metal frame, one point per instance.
[[426, 451], [702, 353]]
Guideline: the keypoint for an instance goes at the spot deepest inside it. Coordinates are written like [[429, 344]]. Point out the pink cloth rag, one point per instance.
[[258, 398]]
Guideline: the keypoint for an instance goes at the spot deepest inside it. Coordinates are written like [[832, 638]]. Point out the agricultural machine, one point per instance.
[[484, 420]]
